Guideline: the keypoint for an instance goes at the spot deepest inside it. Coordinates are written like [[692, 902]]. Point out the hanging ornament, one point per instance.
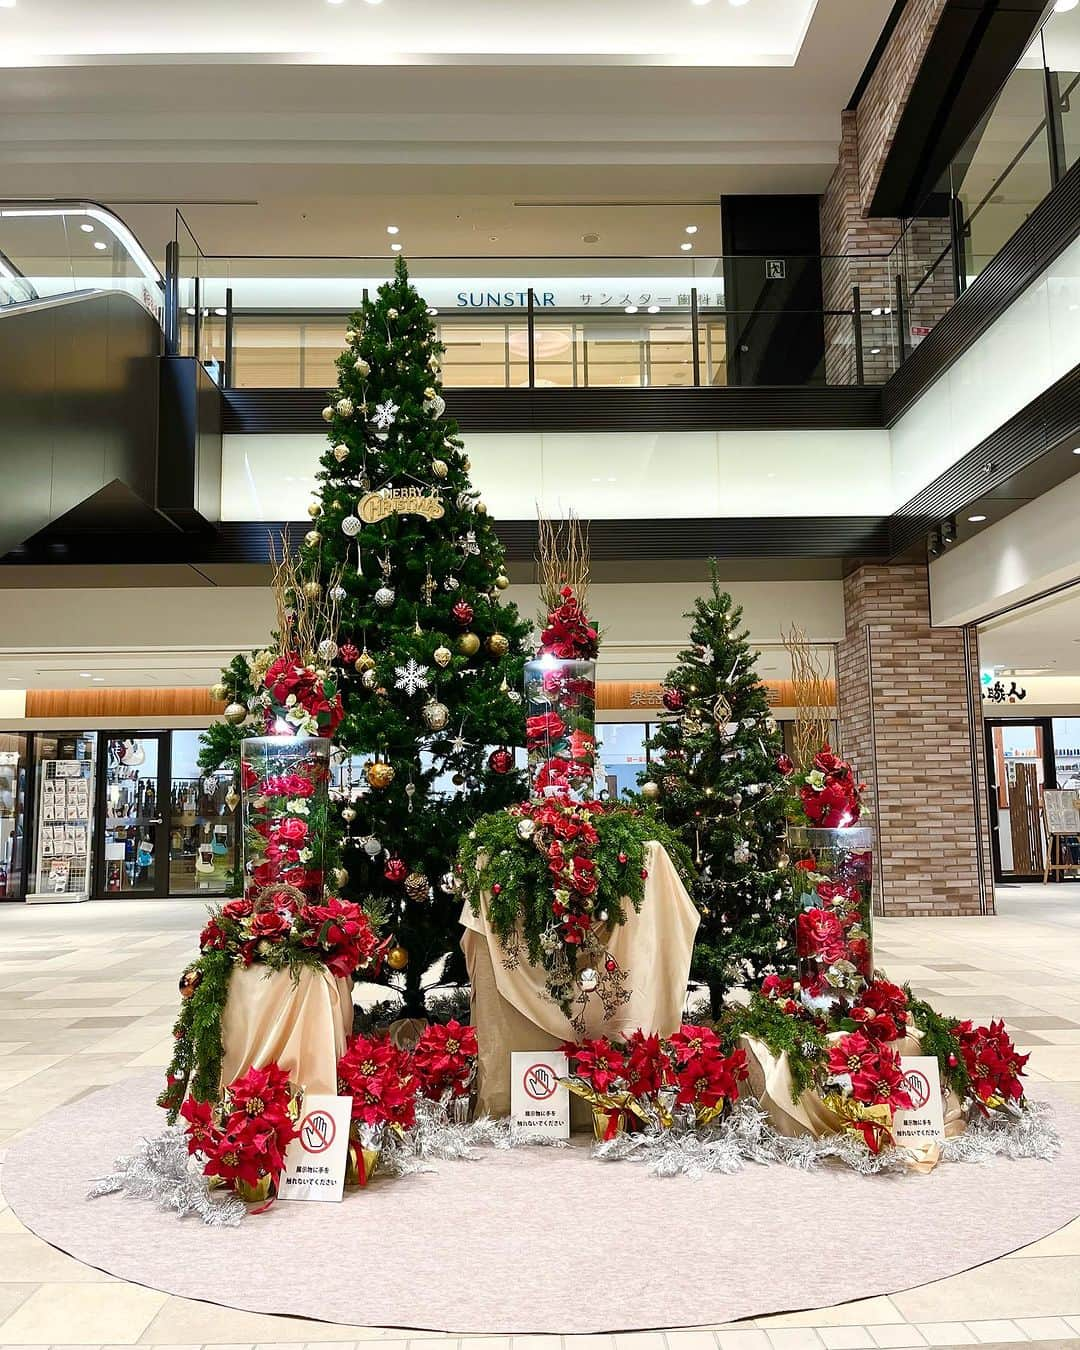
[[721, 711], [344, 407], [341, 453], [371, 846], [650, 790], [497, 644], [339, 877], [502, 581], [693, 723], [411, 677], [369, 679], [397, 958], [383, 418], [327, 649], [312, 590], [365, 661], [313, 538], [440, 468], [235, 713], [417, 887], [674, 700], [348, 814], [351, 525], [328, 414], [741, 855], [436, 715], [481, 508], [501, 760], [361, 367], [410, 792], [348, 653], [385, 596], [379, 774], [514, 696], [429, 587], [338, 593], [218, 693], [446, 883], [463, 613], [395, 870], [314, 510], [588, 979], [443, 657], [232, 799], [467, 543], [451, 584], [468, 644]]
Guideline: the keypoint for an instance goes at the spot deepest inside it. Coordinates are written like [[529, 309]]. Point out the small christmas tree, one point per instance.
[[429, 659], [716, 775]]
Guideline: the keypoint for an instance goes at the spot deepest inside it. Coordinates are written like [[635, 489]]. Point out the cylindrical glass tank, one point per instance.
[[561, 727], [833, 872], [285, 782]]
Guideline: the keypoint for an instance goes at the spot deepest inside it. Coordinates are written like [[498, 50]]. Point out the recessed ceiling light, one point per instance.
[[7, 4], [374, 2], [691, 229], [432, 309], [221, 313], [86, 229], [392, 229], [1063, 6], [976, 520], [100, 243], [335, 2], [190, 311], [395, 248], [654, 309], [686, 247], [875, 351], [699, 2], [736, 3], [98, 679], [84, 674], [631, 309], [1077, 450]]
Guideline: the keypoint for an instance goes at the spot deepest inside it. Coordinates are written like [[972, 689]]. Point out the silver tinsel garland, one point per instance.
[[159, 1170], [745, 1136]]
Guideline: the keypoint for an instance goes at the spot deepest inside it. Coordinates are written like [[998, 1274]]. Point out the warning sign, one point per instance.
[[315, 1161], [539, 1104], [925, 1121]]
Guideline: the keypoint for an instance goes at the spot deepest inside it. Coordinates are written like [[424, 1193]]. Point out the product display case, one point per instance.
[[64, 814]]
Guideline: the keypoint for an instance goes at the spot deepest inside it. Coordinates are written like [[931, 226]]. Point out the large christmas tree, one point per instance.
[[429, 658], [716, 776]]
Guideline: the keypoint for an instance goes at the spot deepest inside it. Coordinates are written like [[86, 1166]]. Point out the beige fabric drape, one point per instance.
[[512, 1010], [302, 1025], [770, 1083]]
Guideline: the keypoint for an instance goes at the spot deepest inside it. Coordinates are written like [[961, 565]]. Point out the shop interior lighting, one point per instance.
[[935, 548], [1077, 450], [100, 244], [654, 309], [1063, 6], [948, 530], [86, 228], [686, 247], [691, 229], [736, 4], [395, 248], [976, 520], [392, 229], [7, 4], [631, 309]]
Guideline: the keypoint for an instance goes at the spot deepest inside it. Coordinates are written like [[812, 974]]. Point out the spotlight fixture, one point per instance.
[[395, 248], [84, 674], [976, 520], [392, 229], [7, 4], [948, 530], [699, 2], [686, 247], [935, 547], [100, 244], [335, 2], [1077, 450], [374, 2], [691, 229], [86, 228]]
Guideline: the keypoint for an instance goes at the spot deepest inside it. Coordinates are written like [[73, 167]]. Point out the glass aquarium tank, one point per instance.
[[285, 790]]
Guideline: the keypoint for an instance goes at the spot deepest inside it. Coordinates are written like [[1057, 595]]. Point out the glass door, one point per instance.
[[1020, 764], [134, 846]]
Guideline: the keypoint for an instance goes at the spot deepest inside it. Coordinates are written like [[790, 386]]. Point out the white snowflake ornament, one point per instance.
[[411, 677], [385, 414]]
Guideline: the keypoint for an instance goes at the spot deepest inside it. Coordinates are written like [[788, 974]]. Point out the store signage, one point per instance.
[[377, 506], [315, 1160], [775, 269], [925, 1121], [539, 1104]]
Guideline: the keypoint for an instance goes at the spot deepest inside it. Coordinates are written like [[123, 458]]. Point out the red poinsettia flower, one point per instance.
[[445, 1057], [873, 1070], [268, 923], [200, 1125], [646, 1064], [213, 938], [599, 1062], [992, 1061], [691, 1041], [709, 1078]]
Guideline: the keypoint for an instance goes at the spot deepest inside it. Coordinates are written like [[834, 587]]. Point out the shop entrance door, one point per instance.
[[1020, 765], [133, 841]]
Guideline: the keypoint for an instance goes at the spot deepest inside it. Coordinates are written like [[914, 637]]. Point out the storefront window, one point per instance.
[[1067, 751], [64, 802], [622, 754], [202, 822], [12, 814]]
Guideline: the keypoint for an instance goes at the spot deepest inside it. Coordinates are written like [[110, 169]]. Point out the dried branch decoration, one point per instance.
[[308, 611], [813, 696], [562, 559]]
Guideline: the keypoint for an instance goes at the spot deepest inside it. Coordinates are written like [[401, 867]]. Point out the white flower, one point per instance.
[[344, 407], [391, 314], [816, 779], [290, 701], [328, 414], [297, 807], [305, 855]]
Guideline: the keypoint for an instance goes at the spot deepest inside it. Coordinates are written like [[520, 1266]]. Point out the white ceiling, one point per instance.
[[1043, 636], [754, 32], [503, 128]]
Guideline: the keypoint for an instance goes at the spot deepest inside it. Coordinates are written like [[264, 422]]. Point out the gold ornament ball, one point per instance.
[[497, 644], [443, 656], [218, 693], [348, 814], [380, 774], [397, 958], [312, 590], [235, 713], [468, 644], [368, 678], [440, 468], [650, 790], [417, 886], [365, 661], [436, 715], [481, 509], [340, 877], [312, 538], [502, 581], [314, 510]]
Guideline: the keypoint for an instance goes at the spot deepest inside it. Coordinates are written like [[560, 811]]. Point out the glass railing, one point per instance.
[[646, 322], [57, 248]]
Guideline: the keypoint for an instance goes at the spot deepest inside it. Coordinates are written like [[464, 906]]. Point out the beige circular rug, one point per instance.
[[540, 1239]]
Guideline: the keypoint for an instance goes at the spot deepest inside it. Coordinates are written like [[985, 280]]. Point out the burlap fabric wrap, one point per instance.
[[770, 1082], [512, 1010], [301, 1024]]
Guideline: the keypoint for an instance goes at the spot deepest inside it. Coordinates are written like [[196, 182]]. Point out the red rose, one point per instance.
[[820, 936], [212, 938], [543, 728], [296, 785], [237, 909], [293, 830], [248, 776], [268, 923]]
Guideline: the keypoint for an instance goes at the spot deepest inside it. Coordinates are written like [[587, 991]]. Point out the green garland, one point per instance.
[[940, 1040], [197, 1053]]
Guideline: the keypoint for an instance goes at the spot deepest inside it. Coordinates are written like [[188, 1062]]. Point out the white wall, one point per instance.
[[1020, 556], [1033, 344], [606, 475]]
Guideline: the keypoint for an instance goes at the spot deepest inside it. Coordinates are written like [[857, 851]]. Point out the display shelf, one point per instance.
[[65, 814]]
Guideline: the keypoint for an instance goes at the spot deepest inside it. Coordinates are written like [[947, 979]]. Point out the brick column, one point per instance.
[[911, 721]]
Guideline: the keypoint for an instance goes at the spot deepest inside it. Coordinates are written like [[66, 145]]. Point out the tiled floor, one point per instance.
[[87, 996]]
